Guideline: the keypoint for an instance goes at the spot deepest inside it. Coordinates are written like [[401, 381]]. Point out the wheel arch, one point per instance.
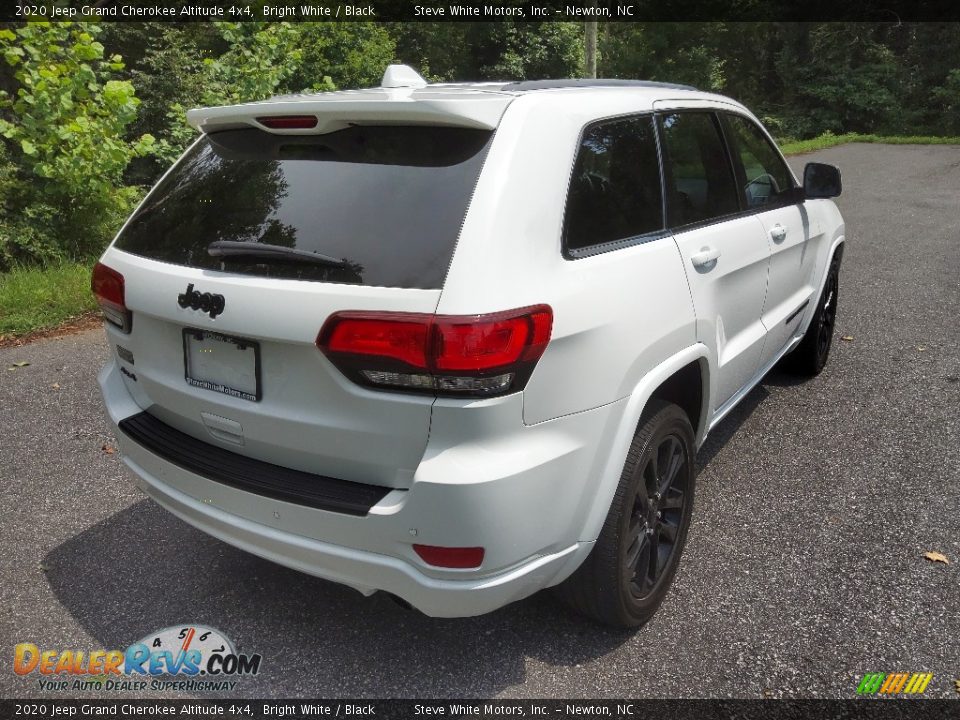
[[687, 388], [665, 382], [836, 251]]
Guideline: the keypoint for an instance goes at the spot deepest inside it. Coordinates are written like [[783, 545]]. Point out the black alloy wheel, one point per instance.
[[657, 516], [811, 354], [827, 317], [628, 573]]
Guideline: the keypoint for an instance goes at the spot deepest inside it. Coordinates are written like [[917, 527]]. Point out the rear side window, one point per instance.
[[615, 190], [766, 179], [386, 201], [700, 180]]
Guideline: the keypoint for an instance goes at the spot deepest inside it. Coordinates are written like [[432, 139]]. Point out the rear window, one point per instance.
[[386, 201]]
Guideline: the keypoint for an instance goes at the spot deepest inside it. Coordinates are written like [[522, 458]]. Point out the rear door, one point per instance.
[[725, 254], [769, 190], [222, 346]]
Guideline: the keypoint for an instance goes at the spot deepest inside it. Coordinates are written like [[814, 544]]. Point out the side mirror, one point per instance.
[[821, 181]]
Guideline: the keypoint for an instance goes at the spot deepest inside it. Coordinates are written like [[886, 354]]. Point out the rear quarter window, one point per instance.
[[615, 190], [387, 201]]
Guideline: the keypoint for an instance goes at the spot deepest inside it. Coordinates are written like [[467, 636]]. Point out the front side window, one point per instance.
[[615, 189], [766, 180], [701, 185]]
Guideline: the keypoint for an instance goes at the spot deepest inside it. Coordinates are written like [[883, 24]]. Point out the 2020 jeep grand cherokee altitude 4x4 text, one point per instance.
[[460, 342]]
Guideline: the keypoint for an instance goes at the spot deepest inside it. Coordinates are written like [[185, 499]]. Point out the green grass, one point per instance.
[[797, 147], [40, 298]]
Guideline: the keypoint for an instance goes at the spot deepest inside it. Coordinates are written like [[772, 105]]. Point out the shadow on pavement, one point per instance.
[[783, 378], [143, 569], [728, 427]]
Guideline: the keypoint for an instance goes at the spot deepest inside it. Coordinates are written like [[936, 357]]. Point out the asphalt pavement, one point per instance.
[[804, 567]]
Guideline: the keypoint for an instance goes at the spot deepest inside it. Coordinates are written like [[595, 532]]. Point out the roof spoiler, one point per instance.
[[404, 98], [481, 112]]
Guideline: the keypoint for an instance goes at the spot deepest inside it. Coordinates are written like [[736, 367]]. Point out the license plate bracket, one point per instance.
[[222, 363]]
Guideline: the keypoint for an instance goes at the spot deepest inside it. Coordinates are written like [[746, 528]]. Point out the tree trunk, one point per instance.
[[590, 49]]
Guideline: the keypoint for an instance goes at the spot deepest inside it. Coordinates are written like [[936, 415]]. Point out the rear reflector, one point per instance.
[[465, 355], [450, 557], [289, 122], [108, 287]]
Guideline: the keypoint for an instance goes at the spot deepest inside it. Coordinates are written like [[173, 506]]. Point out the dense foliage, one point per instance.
[[90, 115], [66, 149]]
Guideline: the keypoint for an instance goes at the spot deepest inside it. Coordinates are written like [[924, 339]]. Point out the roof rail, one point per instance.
[[523, 85]]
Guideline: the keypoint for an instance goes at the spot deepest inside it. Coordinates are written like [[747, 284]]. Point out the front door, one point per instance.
[[770, 191]]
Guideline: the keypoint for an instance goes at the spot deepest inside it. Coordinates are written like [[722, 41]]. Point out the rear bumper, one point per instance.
[[438, 598], [522, 495]]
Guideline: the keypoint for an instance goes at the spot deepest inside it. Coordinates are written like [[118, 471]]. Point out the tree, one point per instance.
[[439, 51], [341, 55], [491, 50], [669, 52], [525, 50], [590, 49], [64, 128], [946, 99], [259, 58], [256, 61], [839, 77]]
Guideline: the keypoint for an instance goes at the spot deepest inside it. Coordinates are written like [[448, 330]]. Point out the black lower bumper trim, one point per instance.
[[253, 476]]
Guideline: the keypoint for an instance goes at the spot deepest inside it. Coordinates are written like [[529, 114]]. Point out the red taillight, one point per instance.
[[450, 557], [448, 354], [379, 335], [108, 287], [490, 342], [289, 122]]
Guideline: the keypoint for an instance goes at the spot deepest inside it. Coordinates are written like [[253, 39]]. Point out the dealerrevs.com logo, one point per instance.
[[899, 683], [182, 657]]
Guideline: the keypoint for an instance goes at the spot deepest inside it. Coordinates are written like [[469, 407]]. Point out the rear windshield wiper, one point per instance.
[[233, 248]]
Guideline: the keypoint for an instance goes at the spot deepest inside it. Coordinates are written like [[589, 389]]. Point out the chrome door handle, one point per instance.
[[778, 232], [706, 256]]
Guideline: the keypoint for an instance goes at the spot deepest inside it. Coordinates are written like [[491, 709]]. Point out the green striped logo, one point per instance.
[[894, 683]]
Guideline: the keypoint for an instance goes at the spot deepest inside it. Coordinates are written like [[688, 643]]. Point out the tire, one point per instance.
[[626, 576], [811, 355]]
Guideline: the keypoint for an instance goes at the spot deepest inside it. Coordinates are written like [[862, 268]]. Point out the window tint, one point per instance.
[[389, 201], [615, 190], [702, 186], [766, 178]]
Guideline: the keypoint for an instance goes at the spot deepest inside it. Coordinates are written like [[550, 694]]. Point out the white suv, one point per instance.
[[460, 343]]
